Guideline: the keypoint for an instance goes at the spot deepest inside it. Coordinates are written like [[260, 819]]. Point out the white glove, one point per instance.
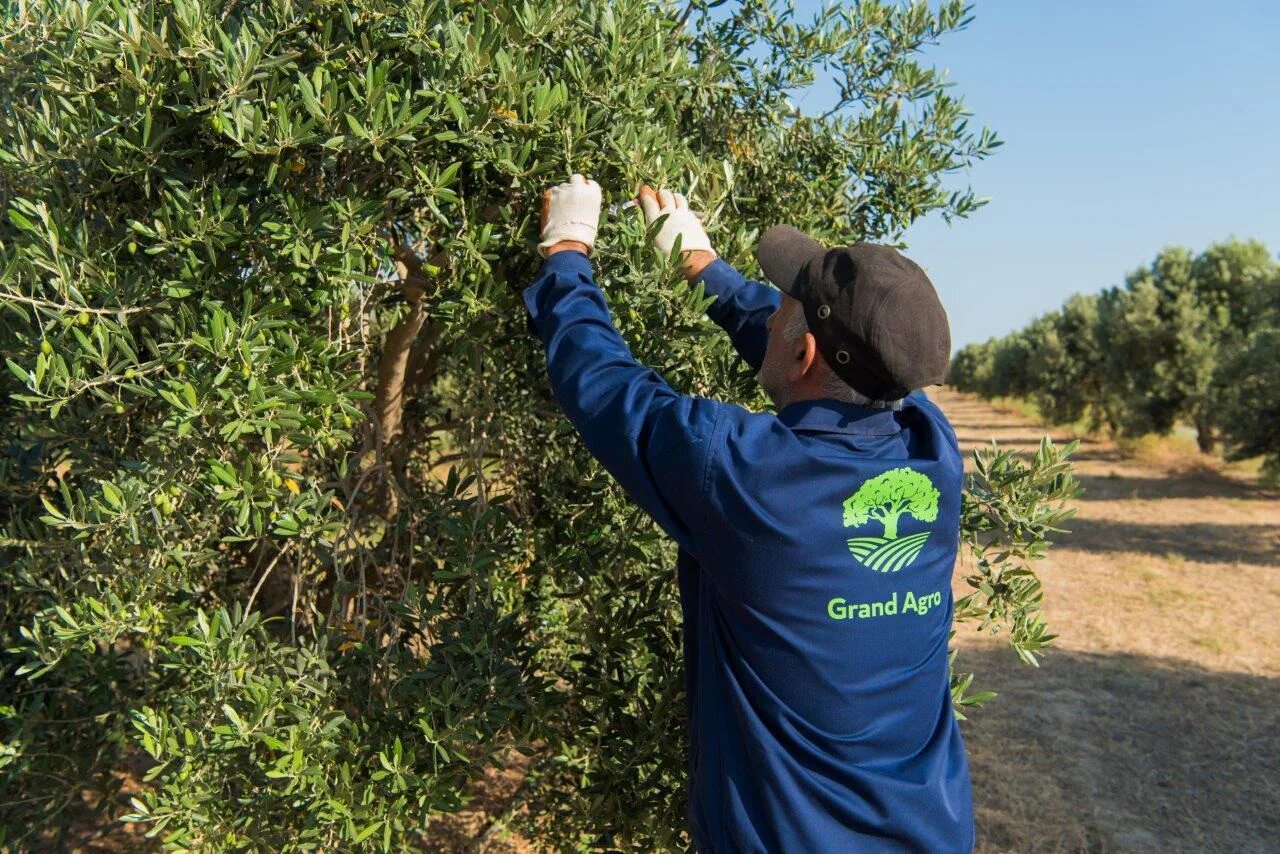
[[681, 221], [570, 211]]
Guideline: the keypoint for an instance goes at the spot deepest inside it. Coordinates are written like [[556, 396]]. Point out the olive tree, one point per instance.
[[1175, 320], [1247, 380], [1235, 278], [292, 527], [1185, 339], [971, 366], [1069, 366]]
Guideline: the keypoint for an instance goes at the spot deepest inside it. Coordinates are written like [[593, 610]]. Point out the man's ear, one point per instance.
[[806, 356]]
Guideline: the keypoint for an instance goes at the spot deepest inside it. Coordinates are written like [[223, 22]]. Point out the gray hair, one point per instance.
[[831, 384]]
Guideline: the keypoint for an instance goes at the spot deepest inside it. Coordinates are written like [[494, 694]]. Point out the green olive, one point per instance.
[[83, 318], [133, 247], [130, 373], [119, 408], [182, 366], [46, 348]]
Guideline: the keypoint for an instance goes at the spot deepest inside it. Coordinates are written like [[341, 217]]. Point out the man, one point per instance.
[[816, 545]]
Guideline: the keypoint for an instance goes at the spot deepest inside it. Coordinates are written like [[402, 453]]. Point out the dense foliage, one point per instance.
[[1187, 339], [291, 524]]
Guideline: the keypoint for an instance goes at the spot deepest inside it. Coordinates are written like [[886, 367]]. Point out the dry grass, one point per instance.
[[1154, 724]]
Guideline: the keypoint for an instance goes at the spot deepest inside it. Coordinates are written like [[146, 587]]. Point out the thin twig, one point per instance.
[[248, 606], [293, 610], [41, 303]]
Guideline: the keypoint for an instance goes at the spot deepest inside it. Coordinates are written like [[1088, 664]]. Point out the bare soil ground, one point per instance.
[[1154, 722]]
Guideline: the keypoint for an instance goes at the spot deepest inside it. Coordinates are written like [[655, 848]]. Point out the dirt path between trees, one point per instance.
[[1154, 722]]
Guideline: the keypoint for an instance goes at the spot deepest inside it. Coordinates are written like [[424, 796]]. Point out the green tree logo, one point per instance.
[[884, 499]]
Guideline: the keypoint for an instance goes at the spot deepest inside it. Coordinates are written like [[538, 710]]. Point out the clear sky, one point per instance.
[[1128, 126]]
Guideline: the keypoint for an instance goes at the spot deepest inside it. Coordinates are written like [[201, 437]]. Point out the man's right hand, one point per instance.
[[695, 247]]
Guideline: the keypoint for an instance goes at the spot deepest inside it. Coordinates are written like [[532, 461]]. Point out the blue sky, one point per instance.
[[1128, 126]]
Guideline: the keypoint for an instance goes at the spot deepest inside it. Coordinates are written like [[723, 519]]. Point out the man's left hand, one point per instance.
[[696, 252], [570, 216]]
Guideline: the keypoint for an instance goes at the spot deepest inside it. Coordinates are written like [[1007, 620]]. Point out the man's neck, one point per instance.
[[799, 396]]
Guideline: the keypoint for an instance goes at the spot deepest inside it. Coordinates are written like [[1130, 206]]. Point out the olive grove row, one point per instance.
[[1191, 339]]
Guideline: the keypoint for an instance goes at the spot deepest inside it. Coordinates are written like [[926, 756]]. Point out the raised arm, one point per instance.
[[653, 440], [741, 307]]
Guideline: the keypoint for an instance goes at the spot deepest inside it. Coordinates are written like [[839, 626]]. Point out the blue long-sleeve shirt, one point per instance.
[[815, 555]]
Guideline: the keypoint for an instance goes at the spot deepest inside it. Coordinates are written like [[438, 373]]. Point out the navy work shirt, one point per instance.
[[815, 561]]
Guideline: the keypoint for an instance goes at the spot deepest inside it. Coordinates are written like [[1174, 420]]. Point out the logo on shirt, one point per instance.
[[885, 498]]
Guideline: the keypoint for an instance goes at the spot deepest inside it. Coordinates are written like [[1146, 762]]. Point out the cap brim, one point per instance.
[[783, 253]]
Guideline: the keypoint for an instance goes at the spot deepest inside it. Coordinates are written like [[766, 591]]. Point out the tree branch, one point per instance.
[[425, 358], [389, 395], [394, 362]]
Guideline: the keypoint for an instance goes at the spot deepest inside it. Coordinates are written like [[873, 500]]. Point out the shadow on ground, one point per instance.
[[1096, 752], [1209, 542], [1207, 484], [982, 427], [1029, 440], [1025, 443]]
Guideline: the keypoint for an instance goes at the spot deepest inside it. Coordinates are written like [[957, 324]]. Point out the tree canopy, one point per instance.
[[1174, 344], [292, 525]]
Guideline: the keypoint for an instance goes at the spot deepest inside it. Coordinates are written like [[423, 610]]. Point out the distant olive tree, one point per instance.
[[1233, 279], [1247, 382], [1169, 345], [1068, 362]]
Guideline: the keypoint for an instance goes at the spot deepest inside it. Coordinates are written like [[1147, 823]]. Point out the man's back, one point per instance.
[[816, 550], [816, 643]]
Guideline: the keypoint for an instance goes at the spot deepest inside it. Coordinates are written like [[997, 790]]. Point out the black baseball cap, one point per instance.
[[875, 315]]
